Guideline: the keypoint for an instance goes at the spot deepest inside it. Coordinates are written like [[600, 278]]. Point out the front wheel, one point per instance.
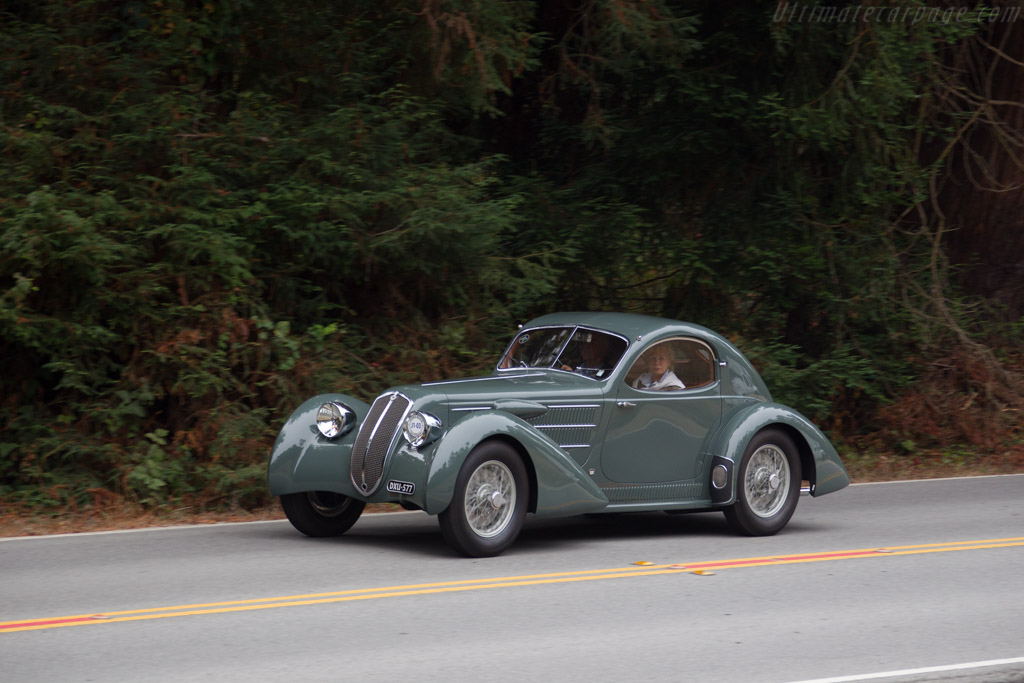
[[321, 513], [489, 505], [768, 485]]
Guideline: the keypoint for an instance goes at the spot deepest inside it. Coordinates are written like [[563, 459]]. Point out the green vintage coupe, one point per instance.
[[583, 413]]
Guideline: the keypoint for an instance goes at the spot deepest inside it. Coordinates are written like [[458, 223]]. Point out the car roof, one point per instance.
[[629, 325], [642, 330]]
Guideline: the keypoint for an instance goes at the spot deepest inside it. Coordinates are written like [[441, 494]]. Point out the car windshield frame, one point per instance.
[[557, 362]]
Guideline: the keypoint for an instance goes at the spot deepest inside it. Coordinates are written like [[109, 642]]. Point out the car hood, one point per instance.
[[512, 392]]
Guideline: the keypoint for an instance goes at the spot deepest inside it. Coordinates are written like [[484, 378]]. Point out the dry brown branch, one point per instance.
[[984, 145]]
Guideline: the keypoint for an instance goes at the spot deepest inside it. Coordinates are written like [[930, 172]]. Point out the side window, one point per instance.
[[673, 365], [592, 353]]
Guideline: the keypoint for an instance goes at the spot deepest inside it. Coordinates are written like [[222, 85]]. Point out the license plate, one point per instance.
[[404, 487]]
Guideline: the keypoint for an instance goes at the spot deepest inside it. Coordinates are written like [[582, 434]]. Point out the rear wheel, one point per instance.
[[767, 485], [489, 506], [321, 513]]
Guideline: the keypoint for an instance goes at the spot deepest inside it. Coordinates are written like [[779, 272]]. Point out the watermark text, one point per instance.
[[795, 12]]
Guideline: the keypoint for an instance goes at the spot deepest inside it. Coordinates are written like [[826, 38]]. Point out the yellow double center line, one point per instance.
[[638, 569]]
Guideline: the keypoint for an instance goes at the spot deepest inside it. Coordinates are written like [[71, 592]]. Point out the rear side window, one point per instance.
[[673, 365]]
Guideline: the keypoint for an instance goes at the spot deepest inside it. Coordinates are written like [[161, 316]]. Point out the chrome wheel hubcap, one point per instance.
[[767, 480], [490, 499]]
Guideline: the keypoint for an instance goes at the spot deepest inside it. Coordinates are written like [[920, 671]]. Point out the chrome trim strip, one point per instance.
[[480, 379], [401, 421], [549, 407], [581, 426], [574, 445], [694, 505], [602, 331]]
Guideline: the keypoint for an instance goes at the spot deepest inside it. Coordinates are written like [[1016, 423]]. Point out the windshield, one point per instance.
[[590, 353]]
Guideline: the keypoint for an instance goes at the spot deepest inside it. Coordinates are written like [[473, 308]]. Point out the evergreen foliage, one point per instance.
[[211, 209]]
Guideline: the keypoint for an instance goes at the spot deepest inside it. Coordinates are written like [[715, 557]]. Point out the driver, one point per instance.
[[595, 356]]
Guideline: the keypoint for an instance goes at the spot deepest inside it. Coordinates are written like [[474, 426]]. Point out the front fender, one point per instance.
[[820, 462], [304, 460], [562, 487]]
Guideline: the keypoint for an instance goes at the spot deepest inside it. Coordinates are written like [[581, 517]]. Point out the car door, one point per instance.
[[656, 429]]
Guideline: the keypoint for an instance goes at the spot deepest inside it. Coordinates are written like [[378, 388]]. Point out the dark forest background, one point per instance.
[[213, 209]]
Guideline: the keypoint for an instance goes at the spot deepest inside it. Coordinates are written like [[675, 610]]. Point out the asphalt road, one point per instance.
[[924, 578]]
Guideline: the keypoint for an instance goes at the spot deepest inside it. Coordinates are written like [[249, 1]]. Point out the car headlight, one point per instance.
[[335, 419], [420, 428]]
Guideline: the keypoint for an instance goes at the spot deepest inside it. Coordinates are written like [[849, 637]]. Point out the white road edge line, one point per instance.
[[915, 672], [397, 512], [179, 526], [914, 481], [133, 531]]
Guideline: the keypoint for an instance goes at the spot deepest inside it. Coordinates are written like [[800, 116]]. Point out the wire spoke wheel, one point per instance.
[[490, 499], [767, 480], [768, 485], [489, 503]]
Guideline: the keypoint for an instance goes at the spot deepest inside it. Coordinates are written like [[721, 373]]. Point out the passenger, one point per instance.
[[659, 375]]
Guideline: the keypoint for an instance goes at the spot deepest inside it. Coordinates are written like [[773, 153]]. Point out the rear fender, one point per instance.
[[304, 460], [819, 461], [561, 487]]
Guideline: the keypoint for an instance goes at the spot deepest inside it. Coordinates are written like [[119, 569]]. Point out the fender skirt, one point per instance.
[[820, 462], [563, 488], [303, 460]]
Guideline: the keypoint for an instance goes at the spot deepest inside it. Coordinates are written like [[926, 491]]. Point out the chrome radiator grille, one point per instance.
[[374, 440]]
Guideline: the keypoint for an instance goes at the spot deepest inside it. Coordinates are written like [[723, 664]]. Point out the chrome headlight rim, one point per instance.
[[335, 419], [420, 428]]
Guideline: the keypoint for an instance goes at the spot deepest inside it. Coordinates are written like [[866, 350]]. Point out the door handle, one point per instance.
[[625, 404]]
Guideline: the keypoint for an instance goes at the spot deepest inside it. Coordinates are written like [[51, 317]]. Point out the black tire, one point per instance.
[[489, 505], [321, 513], [767, 485]]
